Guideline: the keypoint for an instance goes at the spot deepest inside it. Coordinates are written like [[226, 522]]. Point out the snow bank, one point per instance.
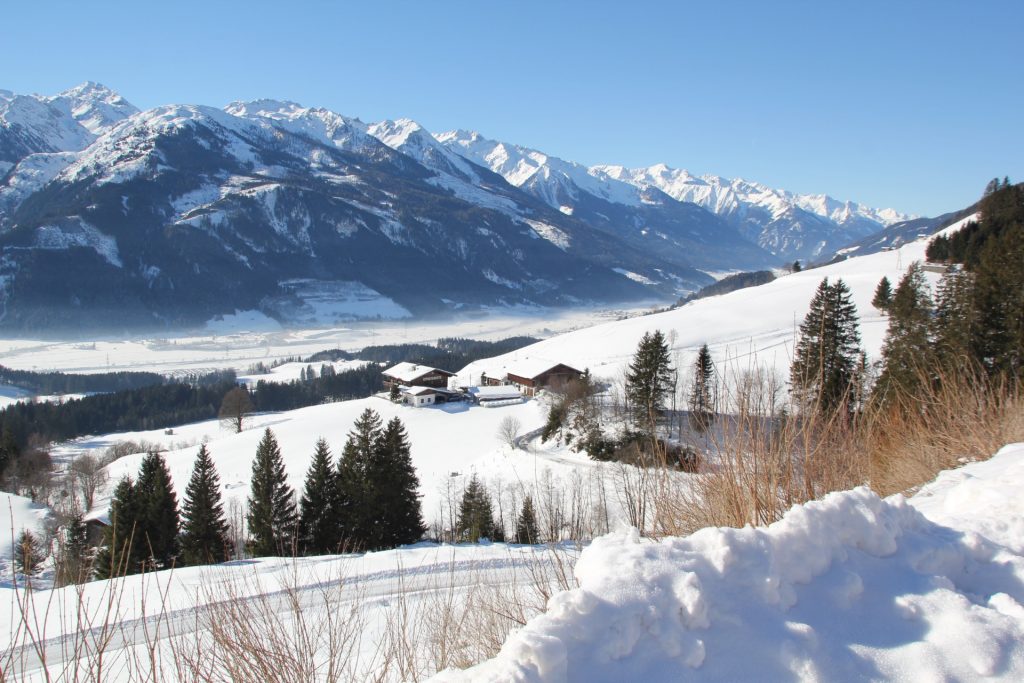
[[852, 587]]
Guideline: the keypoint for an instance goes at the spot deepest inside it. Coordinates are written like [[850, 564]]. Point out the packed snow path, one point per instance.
[[848, 588]]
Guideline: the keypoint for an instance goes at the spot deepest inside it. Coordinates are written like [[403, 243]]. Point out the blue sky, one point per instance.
[[913, 105]]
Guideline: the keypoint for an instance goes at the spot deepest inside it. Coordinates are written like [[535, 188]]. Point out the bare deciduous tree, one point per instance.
[[508, 430], [88, 475], [235, 408]]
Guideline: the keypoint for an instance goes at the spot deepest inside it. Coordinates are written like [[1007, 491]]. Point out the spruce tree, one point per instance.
[[999, 301], [824, 374], [271, 517], [157, 512], [906, 351], [526, 525], [476, 516], [354, 504], [702, 407], [119, 554], [649, 380], [205, 537], [883, 295], [955, 324], [29, 553], [73, 552], [318, 519], [395, 488]]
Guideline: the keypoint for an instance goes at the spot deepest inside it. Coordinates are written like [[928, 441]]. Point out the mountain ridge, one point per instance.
[[109, 214]]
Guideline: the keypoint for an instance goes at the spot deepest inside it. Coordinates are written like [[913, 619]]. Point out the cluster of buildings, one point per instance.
[[422, 385]]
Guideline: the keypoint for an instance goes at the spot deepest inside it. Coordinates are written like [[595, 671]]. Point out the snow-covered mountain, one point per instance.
[[644, 216], [180, 213], [68, 121], [787, 225]]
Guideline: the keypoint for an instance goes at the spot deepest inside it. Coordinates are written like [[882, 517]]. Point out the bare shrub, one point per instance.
[[245, 631], [952, 419]]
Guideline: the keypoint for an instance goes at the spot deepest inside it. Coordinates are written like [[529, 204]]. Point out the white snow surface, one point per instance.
[[724, 196], [557, 181], [848, 588]]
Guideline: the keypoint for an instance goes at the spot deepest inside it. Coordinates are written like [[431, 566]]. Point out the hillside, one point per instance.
[[745, 329]]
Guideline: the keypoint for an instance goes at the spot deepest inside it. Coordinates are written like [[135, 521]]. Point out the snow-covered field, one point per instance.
[[289, 372], [450, 442], [243, 341], [368, 596]]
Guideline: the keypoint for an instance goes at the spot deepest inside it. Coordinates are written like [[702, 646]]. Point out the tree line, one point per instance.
[[366, 500], [65, 383]]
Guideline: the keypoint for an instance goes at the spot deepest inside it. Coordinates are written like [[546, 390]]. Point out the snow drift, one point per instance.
[[851, 587]]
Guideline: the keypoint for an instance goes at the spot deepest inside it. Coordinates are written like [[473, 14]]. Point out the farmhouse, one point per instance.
[[420, 396], [413, 375], [532, 375]]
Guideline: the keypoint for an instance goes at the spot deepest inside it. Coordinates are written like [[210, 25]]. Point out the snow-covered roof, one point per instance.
[[407, 372], [495, 393], [531, 367], [419, 391]]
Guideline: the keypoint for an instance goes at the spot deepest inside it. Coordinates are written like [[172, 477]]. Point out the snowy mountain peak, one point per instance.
[[94, 106], [397, 133], [267, 108]]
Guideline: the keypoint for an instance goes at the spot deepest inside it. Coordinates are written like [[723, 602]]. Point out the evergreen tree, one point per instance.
[[394, 394], [354, 504], [999, 301], [271, 517], [119, 554], [883, 295], [205, 537], [955, 324], [394, 487], [29, 553], [73, 553], [649, 380], [906, 350], [526, 525], [824, 372], [157, 512], [476, 516], [9, 452], [702, 406], [318, 520]]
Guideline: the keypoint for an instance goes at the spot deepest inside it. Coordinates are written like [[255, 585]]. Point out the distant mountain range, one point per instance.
[[116, 218]]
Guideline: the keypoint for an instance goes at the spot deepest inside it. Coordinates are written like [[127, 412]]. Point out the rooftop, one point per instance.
[[407, 372]]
